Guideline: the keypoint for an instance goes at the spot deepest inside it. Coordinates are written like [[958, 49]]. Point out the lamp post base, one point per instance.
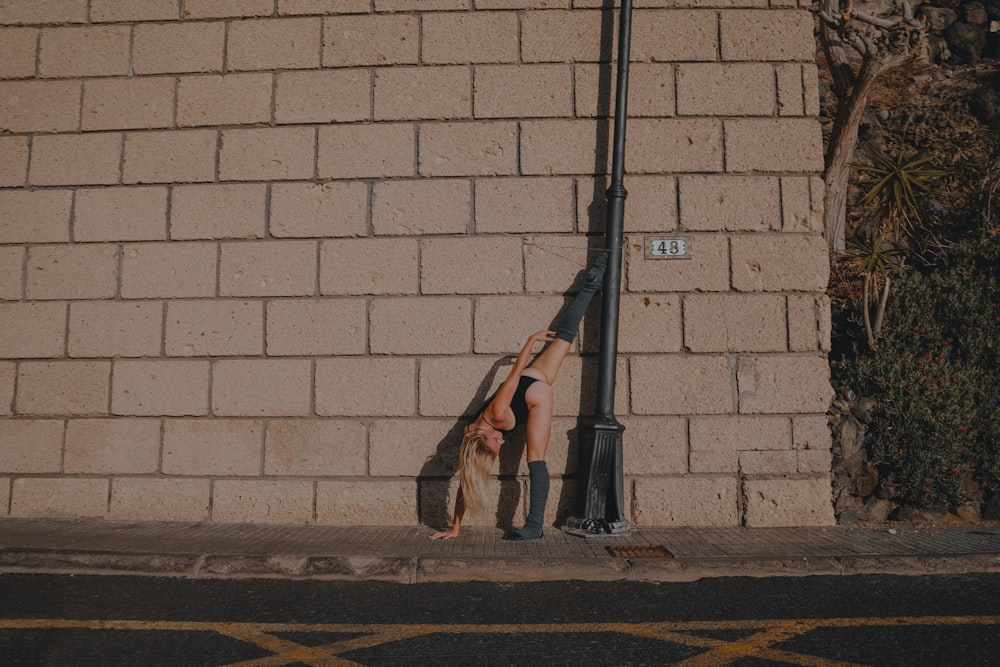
[[601, 511]]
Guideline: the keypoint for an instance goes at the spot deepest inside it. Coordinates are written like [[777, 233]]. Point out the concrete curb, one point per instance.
[[404, 554], [508, 570]]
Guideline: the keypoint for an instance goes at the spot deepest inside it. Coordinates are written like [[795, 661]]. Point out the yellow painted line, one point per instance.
[[506, 628], [290, 652], [659, 632], [753, 646], [766, 633]]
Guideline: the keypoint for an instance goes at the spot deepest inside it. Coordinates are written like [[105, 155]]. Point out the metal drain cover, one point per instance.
[[639, 552]]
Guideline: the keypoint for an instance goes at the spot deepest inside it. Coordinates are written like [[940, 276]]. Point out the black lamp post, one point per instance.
[[600, 506]]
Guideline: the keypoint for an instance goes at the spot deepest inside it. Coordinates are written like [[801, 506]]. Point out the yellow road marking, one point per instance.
[[289, 652], [506, 628], [766, 633]]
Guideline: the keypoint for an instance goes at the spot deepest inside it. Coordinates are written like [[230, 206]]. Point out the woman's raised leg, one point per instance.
[[574, 314], [550, 360]]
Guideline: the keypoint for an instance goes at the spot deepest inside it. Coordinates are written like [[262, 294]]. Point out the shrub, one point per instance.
[[934, 378]]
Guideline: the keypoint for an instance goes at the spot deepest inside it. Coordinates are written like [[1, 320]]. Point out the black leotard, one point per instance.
[[518, 404]]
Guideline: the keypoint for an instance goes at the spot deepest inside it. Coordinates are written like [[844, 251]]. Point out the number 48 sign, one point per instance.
[[673, 247]]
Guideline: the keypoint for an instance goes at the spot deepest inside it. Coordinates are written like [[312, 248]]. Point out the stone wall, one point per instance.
[[258, 256]]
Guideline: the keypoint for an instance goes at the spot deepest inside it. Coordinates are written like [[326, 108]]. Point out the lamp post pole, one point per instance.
[[600, 507]]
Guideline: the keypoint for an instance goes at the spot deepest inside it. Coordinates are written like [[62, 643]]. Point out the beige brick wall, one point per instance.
[[257, 257]]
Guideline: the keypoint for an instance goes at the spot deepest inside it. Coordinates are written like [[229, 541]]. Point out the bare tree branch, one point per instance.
[[881, 43]]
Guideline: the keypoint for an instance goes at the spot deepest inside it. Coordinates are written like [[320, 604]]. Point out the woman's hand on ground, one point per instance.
[[449, 534]]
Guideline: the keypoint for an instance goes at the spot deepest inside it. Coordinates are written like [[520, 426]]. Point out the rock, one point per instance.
[[937, 48], [846, 502], [967, 41], [969, 512], [904, 512], [840, 478], [938, 18], [984, 103], [848, 436], [863, 409], [848, 518], [975, 14], [864, 483], [928, 515], [878, 509]]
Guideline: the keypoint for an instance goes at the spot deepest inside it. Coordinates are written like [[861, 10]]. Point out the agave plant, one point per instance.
[[895, 182]]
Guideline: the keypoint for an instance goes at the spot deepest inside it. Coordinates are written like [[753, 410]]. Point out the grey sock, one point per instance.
[[574, 314], [538, 477]]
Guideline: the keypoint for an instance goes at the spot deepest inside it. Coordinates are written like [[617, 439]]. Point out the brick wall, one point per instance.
[[257, 256]]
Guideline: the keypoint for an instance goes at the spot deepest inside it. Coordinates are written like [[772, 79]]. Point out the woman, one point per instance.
[[525, 397]]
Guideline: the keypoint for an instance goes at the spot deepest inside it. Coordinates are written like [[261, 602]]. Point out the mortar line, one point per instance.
[[274, 100], [119, 266], [265, 425], [72, 217], [315, 174], [80, 97], [163, 430], [267, 209], [776, 82], [26, 252], [121, 159], [38, 52], [802, 90], [176, 101], [225, 47], [163, 329]]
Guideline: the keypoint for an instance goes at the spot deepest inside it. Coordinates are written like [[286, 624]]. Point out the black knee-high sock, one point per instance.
[[538, 496], [574, 314]]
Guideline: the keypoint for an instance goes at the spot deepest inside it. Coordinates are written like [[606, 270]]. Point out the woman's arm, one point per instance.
[[457, 522], [501, 402]]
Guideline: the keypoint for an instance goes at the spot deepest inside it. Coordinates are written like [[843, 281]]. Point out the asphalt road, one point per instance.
[[948, 620]]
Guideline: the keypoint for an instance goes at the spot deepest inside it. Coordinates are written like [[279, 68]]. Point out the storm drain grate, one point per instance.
[[639, 552]]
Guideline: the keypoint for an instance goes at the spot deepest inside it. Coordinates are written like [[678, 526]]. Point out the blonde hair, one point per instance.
[[474, 462]]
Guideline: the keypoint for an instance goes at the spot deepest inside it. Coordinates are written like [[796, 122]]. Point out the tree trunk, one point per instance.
[[840, 151], [835, 52]]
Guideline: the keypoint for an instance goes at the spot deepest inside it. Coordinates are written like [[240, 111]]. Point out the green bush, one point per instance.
[[934, 379]]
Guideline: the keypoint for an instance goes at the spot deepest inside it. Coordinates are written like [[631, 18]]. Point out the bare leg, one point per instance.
[[539, 427], [550, 360]]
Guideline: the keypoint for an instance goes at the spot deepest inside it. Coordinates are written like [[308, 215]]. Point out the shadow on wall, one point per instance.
[[432, 486]]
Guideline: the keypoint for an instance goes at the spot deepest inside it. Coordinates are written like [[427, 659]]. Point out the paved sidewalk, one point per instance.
[[407, 555]]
